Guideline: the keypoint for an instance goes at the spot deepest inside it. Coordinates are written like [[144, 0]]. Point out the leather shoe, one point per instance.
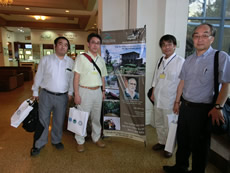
[[99, 143], [175, 169], [167, 154], [80, 148], [158, 147], [59, 146], [35, 151]]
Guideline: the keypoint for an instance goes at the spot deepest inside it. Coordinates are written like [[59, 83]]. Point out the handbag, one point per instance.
[[171, 138], [21, 113], [77, 121], [149, 94], [223, 127], [30, 122]]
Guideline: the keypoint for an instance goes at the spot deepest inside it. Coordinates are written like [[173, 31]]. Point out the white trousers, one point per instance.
[[91, 101], [161, 124]]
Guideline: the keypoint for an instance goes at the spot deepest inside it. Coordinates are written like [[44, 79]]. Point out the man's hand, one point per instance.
[[77, 100], [152, 97], [217, 116], [103, 95], [70, 97], [35, 98], [176, 107]]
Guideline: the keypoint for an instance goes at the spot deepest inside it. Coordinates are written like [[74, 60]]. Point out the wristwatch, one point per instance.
[[218, 107]]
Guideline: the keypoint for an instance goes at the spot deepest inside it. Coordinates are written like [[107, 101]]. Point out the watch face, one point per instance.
[[217, 106]]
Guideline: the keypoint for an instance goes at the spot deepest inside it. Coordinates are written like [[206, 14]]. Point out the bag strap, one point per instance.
[[216, 74], [92, 61], [160, 62]]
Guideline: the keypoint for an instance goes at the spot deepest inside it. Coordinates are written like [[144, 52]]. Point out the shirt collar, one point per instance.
[[169, 58], [90, 54], [65, 57], [210, 49]]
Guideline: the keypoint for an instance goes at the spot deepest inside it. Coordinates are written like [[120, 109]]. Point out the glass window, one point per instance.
[[226, 39], [209, 11], [213, 8], [227, 14], [196, 8]]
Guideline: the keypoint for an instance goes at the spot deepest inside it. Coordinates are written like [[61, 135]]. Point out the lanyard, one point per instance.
[[95, 63], [167, 63]]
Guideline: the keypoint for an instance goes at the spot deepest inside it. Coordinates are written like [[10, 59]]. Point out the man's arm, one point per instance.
[[178, 96], [77, 98], [217, 114]]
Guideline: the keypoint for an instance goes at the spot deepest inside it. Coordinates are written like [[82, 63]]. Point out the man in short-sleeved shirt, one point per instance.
[[197, 110], [87, 88], [165, 82]]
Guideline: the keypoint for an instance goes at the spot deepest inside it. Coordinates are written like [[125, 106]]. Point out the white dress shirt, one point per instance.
[[165, 88], [54, 75]]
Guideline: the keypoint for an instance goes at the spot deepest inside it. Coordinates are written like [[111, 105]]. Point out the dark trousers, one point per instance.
[[193, 136]]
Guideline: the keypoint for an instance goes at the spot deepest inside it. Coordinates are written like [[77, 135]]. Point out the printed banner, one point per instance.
[[124, 52]]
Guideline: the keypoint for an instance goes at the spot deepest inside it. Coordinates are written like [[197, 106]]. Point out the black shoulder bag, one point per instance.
[[151, 89], [222, 128]]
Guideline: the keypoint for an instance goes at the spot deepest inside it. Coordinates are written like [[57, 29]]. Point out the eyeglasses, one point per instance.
[[203, 37], [97, 43]]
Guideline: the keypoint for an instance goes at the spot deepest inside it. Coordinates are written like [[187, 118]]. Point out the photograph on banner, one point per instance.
[[132, 107], [111, 87], [111, 114], [125, 58]]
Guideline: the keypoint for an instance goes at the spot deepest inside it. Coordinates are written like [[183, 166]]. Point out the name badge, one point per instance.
[[94, 72], [162, 76]]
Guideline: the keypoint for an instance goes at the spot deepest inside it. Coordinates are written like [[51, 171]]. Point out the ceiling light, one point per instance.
[[67, 11], [27, 8], [40, 17], [6, 2]]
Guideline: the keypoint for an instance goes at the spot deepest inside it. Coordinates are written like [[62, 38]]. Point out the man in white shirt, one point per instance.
[[89, 88], [165, 82], [55, 78]]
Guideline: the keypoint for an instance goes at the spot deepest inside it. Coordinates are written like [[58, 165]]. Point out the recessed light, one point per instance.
[[27, 8], [67, 11]]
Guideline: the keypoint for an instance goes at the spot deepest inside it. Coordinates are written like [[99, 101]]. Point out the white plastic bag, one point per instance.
[[171, 139], [77, 121], [21, 113]]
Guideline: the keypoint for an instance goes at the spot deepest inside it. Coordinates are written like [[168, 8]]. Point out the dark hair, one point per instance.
[[212, 29], [90, 36], [58, 38], [168, 38]]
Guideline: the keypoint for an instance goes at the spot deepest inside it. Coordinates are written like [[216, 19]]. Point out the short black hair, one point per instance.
[[168, 38], [90, 36], [212, 29], [64, 38]]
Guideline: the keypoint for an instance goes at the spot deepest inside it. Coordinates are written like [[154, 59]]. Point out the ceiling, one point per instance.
[[82, 15]]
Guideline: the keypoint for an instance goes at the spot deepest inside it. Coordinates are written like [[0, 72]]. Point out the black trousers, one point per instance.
[[193, 136]]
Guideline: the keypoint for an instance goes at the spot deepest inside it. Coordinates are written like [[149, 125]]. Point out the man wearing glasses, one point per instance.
[[130, 91], [89, 88], [197, 110]]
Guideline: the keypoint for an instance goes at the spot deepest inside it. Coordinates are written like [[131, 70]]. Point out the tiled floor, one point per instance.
[[120, 155]]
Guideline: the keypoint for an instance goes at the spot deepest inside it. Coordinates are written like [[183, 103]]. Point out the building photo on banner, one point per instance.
[[124, 52]]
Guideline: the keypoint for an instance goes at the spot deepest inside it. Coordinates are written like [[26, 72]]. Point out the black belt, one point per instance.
[[195, 105], [53, 93]]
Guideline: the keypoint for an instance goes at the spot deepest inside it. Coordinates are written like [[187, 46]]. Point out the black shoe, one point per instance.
[[59, 146], [175, 169], [167, 154], [158, 147], [35, 151]]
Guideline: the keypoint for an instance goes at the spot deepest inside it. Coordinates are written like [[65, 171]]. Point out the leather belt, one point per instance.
[[195, 105], [91, 88], [53, 93]]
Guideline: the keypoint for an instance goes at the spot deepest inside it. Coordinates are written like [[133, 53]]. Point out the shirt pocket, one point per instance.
[[205, 75]]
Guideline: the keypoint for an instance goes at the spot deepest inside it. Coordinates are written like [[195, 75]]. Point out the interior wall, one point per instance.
[[48, 37]]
